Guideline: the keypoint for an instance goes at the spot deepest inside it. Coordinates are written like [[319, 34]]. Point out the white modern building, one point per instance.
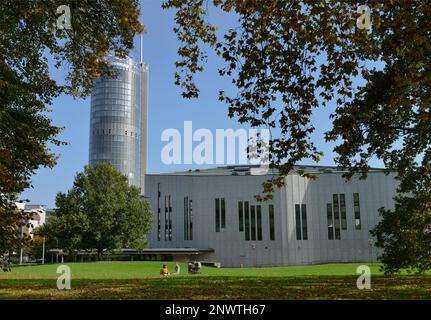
[[213, 214], [309, 221], [37, 216]]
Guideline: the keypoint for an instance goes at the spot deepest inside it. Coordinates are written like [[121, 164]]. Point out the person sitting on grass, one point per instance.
[[5, 266], [194, 267], [177, 268], [198, 267], [164, 271]]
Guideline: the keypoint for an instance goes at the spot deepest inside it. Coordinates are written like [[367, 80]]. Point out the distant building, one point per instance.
[[49, 212], [310, 221], [118, 128], [37, 216]]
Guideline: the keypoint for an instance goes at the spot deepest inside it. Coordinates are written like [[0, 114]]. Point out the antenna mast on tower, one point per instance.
[[141, 41], [141, 60]]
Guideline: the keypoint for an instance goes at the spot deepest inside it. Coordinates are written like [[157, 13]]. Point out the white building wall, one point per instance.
[[230, 246], [375, 192]]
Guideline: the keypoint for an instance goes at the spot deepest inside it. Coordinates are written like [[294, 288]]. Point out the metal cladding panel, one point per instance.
[[118, 128], [229, 244], [353, 244]]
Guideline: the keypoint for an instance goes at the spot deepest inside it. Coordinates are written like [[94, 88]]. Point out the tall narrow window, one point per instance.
[[166, 218], [259, 222], [304, 222], [253, 222], [336, 217], [271, 222], [217, 214], [190, 219], [186, 218], [170, 217], [223, 213], [159, 223], [247, 221], [343, 211], [357, 210], [330, 221], [298, 221], [220, 214], [240, 216]]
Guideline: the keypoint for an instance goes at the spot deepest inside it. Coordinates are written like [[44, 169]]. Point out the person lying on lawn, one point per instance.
[[164, 271]]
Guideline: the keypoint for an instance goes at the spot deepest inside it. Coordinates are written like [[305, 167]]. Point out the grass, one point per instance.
[[141, 280]]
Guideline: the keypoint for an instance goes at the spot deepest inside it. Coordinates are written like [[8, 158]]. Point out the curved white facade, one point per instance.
[[305, 229]]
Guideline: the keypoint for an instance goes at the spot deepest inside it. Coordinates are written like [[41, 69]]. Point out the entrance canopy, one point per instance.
[[167, 251], [149, 251]]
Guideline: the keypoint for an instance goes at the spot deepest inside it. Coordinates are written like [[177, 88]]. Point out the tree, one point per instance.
[[12, 219], [406, 238], [65, 226], [288, 58], [100, 212], [30, 37]]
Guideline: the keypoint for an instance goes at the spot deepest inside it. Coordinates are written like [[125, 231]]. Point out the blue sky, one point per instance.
[[166, 108]]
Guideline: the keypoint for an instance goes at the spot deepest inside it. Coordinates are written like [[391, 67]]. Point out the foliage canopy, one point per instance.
[[29, 39], [101, 211]]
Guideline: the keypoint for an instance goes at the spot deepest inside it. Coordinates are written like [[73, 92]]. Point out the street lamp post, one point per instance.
[[20, 238], [371, 243], [43, 251], [56, 250]]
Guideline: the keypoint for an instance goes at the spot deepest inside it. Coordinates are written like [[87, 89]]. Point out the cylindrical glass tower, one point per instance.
[[118, 128]]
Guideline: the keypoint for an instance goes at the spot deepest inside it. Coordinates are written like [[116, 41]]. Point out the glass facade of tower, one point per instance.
[[118, 128]]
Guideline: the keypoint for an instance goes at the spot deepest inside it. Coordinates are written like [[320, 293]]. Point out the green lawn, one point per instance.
[[141, 280]]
